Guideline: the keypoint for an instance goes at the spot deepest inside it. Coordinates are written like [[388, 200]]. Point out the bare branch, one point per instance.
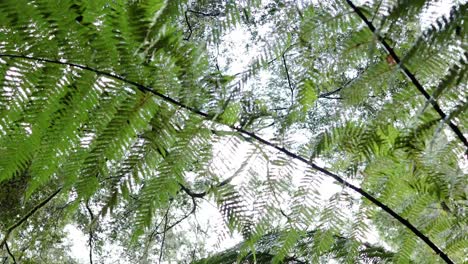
[[181, 219], [26, 217], [409, 75], [190, 193], [198, 13], [259, 139], [289, 78], [164, 236], [203, 194], [189, 26], [346, 84], [9, 252], [214, 14], [90, 240]]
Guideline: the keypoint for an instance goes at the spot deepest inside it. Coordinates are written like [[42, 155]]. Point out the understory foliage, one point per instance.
[[127, 120]]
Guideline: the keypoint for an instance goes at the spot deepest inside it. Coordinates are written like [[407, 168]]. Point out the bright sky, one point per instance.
[[207, 214]]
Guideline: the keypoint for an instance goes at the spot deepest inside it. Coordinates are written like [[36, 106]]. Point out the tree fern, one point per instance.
[[123, 118]]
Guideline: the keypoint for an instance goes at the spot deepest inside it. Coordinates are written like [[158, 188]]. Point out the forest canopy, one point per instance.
[[222, 131]]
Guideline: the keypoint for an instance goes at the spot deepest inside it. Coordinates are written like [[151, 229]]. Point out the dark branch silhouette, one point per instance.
[[214, 14], [188, 25], [409, 74], [259, 139], [167, 228], [90, 240], [26, 217], [346, 84], [9, 253], [198, 13], [288, 77], [164, 236]]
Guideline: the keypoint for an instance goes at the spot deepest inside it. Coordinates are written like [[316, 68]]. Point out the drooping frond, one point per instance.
[[126, 118]]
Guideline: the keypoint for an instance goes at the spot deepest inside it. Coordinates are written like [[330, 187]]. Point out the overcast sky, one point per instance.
[[207, 214]]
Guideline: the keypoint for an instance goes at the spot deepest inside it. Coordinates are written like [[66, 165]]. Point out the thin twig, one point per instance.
[[154, 233], [408, 74], [90, 241], [190, 193], [198, 13], [274, 191], [268, 62], [333, 98], [194, 207], [26, 217], [189, 26], [204, 193], [289, 78], [214, 14], [164, 236], [346, 84], [250, 70], [9, 252], [259, 139], [181, 219], [325, 95], [376, 10]]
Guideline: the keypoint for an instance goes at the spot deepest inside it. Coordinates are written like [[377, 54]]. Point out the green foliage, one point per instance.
[[129, 113]]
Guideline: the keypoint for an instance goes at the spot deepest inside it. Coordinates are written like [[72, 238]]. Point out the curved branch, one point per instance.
[[190, 193], [285, 151], [291, 88], [214, 14], [90, 240], [346, 84], [408, 73], [198, 13], [204, 193], [164, 237], [26, 217], [362, 192], [9, 253], [188, 25], [327, 94], [167, 228]]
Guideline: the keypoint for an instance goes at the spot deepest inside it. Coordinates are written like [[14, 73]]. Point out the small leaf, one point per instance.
[[231, 114], [307, 95]]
